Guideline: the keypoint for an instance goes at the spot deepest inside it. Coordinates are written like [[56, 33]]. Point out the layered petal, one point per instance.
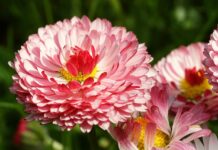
[[209, 143], [211, 60]]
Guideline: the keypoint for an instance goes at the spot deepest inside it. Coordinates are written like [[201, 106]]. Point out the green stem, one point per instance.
[[67, 140]]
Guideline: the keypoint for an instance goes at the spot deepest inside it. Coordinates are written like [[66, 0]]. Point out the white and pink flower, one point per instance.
[[82, 72], [211, 54], [152, 130], [184, 71]]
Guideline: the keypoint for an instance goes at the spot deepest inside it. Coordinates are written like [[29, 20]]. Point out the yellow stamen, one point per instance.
[[142, 123], [189, 91], [79, 77], [161, 139]]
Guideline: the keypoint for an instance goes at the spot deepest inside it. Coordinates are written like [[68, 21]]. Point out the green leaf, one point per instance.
[[12, 106]]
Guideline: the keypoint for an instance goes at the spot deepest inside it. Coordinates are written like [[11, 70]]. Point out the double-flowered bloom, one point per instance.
[[82, 72], [211, 65], [211, 60]]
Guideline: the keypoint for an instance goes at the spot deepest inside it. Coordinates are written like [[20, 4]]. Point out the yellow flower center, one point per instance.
[[191, 92], [80, 66], [194, 83], [79, 77], [161, 139]]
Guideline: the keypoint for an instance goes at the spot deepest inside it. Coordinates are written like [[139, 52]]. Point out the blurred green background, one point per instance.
[[162, 25]]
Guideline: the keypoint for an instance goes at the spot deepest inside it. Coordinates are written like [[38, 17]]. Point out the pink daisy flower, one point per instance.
[[184, 71], [209, 143], [153, 131], [211, 60], [210, 63], [21, 128], [82, 72]]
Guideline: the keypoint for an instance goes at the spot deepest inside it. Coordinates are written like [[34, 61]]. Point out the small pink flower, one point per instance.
[[153, 131], [82, 72], [21, 128], [184, 71]]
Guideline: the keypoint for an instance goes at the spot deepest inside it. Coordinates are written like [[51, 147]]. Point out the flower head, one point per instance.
[[210, 63], [184, 71], [82, 72], [152, 130]]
